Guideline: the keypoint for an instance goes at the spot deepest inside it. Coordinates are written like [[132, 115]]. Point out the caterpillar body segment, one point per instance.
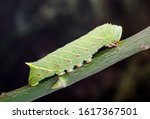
[[73, 54]]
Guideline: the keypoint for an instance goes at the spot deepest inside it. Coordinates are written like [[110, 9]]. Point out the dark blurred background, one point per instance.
[[30, 29]]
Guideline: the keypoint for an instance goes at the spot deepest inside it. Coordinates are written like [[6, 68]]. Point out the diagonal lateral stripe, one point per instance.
[[69, 52], [79, 46], [61, 57], [100, 38], [50, 62], [87, 42], [53, 63]]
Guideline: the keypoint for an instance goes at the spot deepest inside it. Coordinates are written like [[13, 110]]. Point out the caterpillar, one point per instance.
[[81, 50]]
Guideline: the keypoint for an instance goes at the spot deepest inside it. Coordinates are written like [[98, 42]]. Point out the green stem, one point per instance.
[[101, 60]]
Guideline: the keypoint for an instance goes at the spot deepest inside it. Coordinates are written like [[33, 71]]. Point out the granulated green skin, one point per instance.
[[74, 53]]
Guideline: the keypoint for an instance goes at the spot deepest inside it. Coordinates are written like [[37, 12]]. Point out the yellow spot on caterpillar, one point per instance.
[[68, 60], [87, 49], [77, 55], [57, 65]]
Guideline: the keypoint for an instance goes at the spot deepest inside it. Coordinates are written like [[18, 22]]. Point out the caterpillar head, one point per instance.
[[113, 32], [108, 33]]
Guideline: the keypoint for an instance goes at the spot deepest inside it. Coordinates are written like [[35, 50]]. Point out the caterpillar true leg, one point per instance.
[[79, 65], [88, 60], [61, 74], [113, 44], [70, 70]]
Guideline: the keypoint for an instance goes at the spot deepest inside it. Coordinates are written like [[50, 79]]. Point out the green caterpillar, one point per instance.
[[73, 54]]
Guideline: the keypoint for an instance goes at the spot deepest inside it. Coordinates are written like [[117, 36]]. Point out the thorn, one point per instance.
[[28, 64]]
